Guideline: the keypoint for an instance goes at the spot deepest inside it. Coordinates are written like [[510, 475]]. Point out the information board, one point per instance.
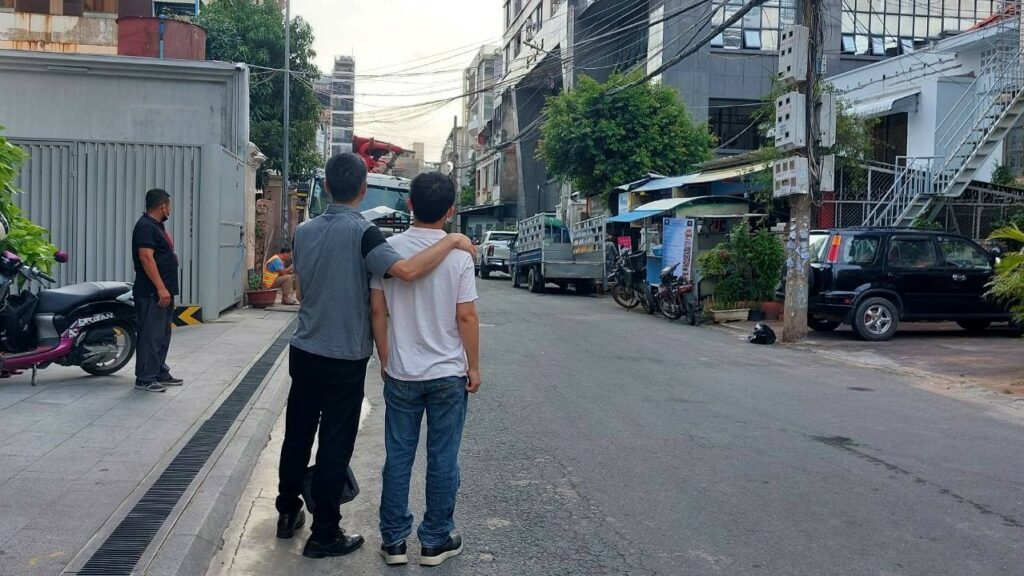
[[677, 245]]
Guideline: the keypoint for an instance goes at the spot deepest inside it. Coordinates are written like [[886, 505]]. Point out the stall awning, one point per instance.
[[702, 177], [633, 216], [892, 103]]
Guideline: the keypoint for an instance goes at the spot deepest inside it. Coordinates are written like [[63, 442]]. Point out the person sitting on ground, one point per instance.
[[278, 272]]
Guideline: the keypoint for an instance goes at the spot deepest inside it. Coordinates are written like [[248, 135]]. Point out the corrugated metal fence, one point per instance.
[[89, 195]]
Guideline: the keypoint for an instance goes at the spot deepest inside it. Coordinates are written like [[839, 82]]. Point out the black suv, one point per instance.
[[873, 278]]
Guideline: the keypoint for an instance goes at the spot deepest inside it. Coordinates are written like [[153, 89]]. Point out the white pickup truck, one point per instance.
[[492, 254]]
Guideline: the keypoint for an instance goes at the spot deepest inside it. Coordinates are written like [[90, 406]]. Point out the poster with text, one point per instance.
[[677, 247]]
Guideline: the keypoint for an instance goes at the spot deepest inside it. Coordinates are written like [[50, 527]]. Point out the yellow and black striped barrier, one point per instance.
[[188, 316]]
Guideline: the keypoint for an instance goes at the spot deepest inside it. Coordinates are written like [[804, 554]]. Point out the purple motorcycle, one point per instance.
[[91, 325]]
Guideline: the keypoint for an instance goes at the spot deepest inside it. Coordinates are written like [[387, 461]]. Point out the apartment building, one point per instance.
[[343, 94], [548, 44]]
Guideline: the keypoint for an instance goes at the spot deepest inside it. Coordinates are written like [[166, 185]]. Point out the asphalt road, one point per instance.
[[610, 442]]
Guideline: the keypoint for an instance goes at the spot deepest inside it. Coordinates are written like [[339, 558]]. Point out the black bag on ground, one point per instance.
[[17, 322], [763, 334], [349, 488]]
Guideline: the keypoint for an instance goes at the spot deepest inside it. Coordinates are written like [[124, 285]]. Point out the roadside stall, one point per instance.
[[678, 230]]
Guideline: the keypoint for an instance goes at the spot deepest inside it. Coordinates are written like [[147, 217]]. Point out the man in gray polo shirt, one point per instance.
[[334, 256]]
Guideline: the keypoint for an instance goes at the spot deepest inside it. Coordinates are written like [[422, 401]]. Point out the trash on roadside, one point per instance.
[[762, 334]]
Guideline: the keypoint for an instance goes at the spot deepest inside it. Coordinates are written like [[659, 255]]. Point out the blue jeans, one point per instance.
[[445, 403]]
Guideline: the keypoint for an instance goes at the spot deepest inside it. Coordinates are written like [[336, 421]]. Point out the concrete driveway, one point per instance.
[[933, 353]]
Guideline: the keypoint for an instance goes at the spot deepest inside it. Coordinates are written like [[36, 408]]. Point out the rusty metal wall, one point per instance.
[[89, 194]]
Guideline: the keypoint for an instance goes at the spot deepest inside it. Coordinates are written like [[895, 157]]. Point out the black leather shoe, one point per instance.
[[395, 554], [171, 381], [287, 524], [437, 556], [340, 545]]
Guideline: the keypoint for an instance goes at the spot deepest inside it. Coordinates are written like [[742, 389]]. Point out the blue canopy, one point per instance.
[[634, 216]]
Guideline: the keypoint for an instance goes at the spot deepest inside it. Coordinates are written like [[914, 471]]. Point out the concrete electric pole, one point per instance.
[[285, 204], [806, 169]]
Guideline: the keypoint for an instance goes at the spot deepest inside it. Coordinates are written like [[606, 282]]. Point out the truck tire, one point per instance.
[[516, 283], [485, 273], [536, 280]]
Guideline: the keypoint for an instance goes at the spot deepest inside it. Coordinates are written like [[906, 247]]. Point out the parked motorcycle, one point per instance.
[[629, 283], [675, 296], [92, 325]]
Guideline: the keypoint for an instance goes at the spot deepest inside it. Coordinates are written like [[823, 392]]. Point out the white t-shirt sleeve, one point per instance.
[[376, 283], [467, 281]]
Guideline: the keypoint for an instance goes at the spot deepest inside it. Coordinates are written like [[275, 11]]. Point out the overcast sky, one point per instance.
[[386, 36]]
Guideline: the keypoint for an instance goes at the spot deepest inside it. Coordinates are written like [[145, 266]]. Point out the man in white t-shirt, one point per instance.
[[430, 362]]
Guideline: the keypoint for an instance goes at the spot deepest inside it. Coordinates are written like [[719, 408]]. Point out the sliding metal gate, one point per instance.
[[89, 195]]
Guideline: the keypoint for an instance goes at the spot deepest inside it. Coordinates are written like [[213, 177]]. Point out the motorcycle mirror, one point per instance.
[[61, 257]]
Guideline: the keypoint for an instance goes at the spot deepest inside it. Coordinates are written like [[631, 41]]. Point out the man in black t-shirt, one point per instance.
[[156, 285]]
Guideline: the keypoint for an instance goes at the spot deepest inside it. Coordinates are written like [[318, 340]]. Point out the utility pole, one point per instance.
[[455, 156], [285, 205], [798, 234]]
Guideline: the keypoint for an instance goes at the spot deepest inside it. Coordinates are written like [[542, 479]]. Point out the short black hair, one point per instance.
[[285, 250], [345, 174], [156, 197], [432, 194]]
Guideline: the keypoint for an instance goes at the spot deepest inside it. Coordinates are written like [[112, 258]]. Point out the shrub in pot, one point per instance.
[[256, 294]]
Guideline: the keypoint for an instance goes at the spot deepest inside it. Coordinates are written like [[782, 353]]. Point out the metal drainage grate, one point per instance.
[[123, 549]]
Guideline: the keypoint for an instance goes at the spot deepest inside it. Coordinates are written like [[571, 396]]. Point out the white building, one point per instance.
[[343, 94], [945, 113]]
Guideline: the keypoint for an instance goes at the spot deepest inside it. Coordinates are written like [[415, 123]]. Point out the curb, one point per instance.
[[195, 536]]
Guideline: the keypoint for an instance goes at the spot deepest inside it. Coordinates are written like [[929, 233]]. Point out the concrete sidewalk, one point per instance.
[[75, 448], [250, 546]]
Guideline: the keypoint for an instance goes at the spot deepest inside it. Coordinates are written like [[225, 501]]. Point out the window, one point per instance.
[[860, 250], [958, 253], [818, 245], [914, 253], [508, 14], [103, 6], [898, 27], [538, 17], [732, 122], [517, 44], [758, 29]]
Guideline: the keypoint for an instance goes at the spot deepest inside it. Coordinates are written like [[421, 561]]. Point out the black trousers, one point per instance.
[[154, 339], [328, 392]]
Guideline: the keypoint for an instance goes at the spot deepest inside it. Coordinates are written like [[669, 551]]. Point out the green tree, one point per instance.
[[599, 136], [1008, 282], [467, 197], [252, 31], [27, 240], [1002, 176]]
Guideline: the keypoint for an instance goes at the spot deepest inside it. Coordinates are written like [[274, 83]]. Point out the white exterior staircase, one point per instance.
[[971, 131]]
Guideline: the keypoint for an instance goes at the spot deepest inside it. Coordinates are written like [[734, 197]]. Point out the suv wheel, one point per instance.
[[485, 273], [822, 324], [973, 325], [876, 319]]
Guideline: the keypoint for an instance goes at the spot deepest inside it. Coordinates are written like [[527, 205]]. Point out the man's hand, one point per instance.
[[474, 380], [464, 243], [165, 297], [383, 372]]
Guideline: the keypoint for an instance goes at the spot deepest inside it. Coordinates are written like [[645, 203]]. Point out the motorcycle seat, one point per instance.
[[70, 297]]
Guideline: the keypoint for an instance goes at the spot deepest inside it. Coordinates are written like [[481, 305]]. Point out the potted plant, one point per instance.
[[256, 294], [745, 269], [723, 310]]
